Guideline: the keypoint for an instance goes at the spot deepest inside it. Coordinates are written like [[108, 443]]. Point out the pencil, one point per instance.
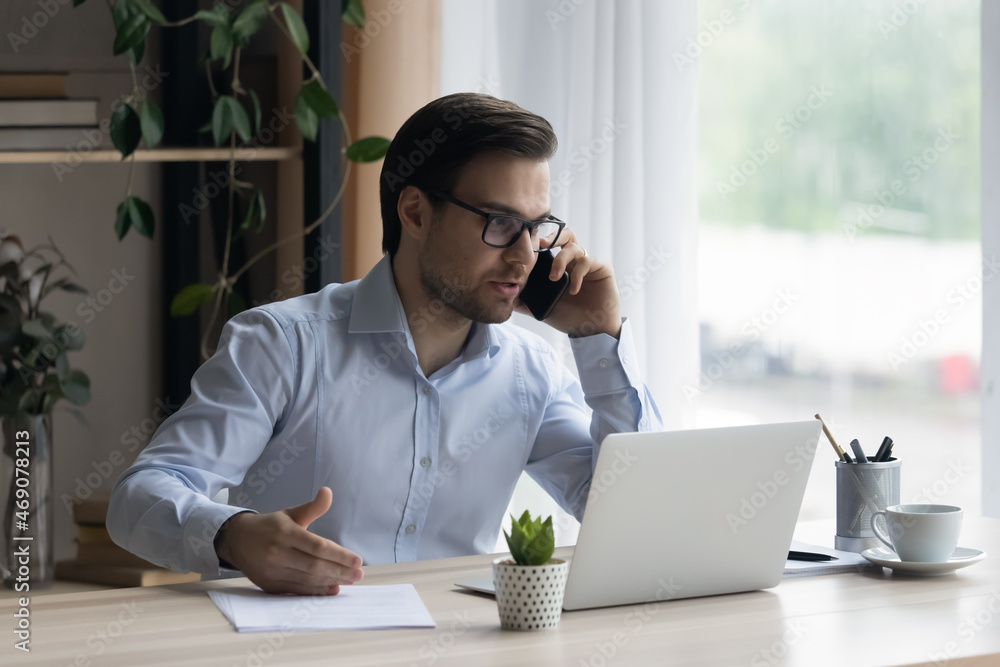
[[837, 448]]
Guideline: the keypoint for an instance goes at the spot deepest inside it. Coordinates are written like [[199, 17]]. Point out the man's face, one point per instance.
[[474, 280]]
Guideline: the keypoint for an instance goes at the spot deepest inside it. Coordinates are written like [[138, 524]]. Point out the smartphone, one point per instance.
[[540, 294]]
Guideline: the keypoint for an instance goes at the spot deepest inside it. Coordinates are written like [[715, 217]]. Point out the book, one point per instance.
[[91, 534], [47, 113], [71, 570], [108, 554], [49, 138], [30, 85], [93, 510]]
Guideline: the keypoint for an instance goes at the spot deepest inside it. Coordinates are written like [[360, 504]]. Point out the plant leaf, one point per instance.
[[53, 286], [10, 313], [256, 211], [256, 112], [249, 22], [222, 123], [306, 119], [296, 28], [251, 212], [368, 149], [135, 54], [261, 208], [151, 122], [142, 216], [35, 329], [126, 130], [318, 99], [353, 13], [150, 10], [221, 44], [531, 542], [70, 336], [75, 387], [122, 220], [121, 10], [213, 17], [241, 122], [131, 33], [190, 298], [62, 364], [29, 401]]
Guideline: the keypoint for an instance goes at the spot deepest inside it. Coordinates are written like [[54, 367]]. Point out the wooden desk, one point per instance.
[[874, 618]]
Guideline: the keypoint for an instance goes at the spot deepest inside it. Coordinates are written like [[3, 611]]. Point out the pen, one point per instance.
[[809, 556], [837, 448], [859, 454], [888, 451], [883, 450]]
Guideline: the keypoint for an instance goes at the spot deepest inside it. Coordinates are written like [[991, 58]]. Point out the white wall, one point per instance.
[[123, 349], [990, 156]]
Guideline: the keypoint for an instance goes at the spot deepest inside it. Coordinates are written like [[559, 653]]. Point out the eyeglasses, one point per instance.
[[503, 231]]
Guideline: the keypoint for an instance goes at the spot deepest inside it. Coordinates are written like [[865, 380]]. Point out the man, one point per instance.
[[399, 404]]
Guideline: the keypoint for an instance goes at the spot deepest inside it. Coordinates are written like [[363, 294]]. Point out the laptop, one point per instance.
[[680, 514]]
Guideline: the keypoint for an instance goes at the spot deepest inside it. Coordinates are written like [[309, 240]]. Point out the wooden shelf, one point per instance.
[[276, 154]]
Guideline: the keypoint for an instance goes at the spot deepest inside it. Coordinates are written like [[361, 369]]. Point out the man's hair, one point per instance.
[[437, 141]]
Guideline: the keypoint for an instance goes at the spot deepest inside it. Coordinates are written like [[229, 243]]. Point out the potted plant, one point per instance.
[[34, 375], [235, 121], [530, 583]]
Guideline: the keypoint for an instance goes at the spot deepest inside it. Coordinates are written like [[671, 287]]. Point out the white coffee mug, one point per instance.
[[920, 533]]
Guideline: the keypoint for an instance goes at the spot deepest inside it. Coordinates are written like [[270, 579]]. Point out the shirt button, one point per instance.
[[425, 462], [603, 363], [625, 358], [411, 529], [427, 390]]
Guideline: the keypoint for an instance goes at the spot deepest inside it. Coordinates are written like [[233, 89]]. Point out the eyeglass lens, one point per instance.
[[502, 230]]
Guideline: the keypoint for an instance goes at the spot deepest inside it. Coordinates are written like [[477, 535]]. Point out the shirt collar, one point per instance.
[[378, 309]]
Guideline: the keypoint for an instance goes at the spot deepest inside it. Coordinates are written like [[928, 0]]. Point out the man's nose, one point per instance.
[[521, 252]]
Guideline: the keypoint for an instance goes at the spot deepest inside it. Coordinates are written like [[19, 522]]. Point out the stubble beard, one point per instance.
[[459, 299]]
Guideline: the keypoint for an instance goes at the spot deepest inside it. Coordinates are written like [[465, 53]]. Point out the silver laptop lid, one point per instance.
[[678, 514]]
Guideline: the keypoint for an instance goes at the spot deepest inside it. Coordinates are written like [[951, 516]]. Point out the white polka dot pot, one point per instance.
[[529, 597]]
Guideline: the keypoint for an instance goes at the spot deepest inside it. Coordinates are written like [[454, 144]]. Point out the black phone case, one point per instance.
[[540, 294]]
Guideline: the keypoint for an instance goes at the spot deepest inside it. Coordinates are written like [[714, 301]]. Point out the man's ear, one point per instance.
[[414, 211]]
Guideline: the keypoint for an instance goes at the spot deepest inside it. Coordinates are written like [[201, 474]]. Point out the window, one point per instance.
[[839, 255]]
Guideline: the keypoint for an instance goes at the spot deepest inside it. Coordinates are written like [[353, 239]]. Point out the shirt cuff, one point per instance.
[[200, 530], [607, 365]]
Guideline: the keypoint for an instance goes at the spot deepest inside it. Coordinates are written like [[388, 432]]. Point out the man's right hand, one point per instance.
[[276, 552]]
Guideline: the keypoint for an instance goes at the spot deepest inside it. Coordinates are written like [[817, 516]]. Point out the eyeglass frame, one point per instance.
[[525, 224]]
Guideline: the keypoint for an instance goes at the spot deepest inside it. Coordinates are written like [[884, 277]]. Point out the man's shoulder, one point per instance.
[[331, 303]]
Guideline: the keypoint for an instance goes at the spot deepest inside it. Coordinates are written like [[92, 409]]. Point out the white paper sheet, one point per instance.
[[847, 561], [250, 609]]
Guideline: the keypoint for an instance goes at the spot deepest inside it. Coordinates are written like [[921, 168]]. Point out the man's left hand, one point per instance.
[[590, 304]]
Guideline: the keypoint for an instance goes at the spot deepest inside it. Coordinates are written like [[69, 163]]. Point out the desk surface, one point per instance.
[[871, 618]]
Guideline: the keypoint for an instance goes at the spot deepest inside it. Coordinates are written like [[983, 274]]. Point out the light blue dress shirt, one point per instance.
[[325, 390]]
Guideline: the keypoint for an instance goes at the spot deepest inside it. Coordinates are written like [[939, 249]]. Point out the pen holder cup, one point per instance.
[[862, 489]]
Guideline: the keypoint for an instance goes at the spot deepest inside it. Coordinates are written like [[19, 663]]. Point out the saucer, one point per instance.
[[960, 558]]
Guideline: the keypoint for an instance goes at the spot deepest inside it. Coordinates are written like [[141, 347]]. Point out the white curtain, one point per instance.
[[990, 152], [614, 79]]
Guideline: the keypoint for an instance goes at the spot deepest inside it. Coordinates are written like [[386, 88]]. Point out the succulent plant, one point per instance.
[[531, 542]]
